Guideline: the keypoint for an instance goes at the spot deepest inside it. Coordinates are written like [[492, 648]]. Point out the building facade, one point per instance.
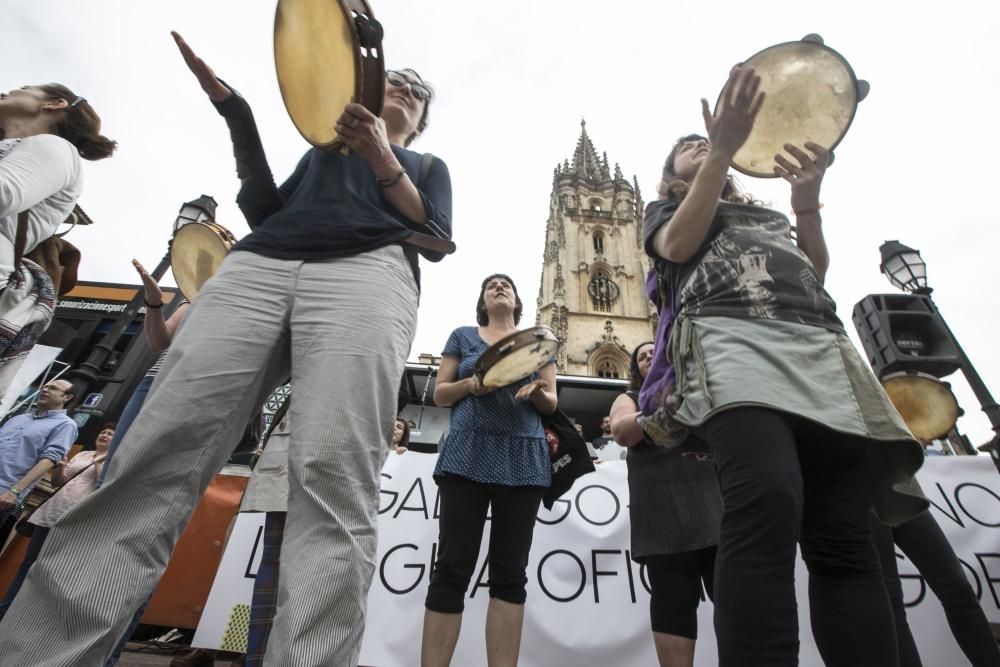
[[592, 291]]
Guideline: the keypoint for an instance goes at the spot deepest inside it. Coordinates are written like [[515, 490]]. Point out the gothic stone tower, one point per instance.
[[594, 269]]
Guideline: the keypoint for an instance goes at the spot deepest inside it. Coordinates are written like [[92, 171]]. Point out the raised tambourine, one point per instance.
[[515, 357], [812, 95], [327, 53]]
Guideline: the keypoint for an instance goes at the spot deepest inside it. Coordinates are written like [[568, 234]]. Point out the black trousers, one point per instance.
[[675, 582], [785, 481], [925, 544], [464, 504]]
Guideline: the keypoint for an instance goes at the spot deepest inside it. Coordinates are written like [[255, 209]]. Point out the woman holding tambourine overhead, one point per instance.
[[495, 456], [803, 437]]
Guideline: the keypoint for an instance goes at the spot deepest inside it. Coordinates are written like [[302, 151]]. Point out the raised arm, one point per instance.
[[159, 331], [258, 196], [727, 130], [806, 179]]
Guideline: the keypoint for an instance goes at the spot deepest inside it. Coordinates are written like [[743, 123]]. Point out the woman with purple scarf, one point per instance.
[[753, 367]]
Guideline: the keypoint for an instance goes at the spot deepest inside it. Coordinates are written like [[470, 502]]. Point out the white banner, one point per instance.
[[587, 600]]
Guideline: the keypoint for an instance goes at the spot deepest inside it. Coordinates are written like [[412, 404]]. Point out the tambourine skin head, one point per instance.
[[322, 66], [927, 405], [812, 95], [515, 357], [196, 253]]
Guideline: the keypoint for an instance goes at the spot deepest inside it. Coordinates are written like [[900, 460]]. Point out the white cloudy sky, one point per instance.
[[513, 81]]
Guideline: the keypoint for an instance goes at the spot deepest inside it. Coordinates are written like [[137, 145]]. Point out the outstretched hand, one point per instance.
[[216, 91], [154, 294], [806, 177], [739, 104]]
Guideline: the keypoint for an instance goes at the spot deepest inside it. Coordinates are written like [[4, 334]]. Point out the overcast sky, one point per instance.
[[513, 82]]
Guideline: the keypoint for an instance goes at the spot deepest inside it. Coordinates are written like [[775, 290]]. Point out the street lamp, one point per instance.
[[201, 209], [905, 269], [88, 373]]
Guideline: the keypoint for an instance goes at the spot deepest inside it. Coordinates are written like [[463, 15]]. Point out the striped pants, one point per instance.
[[342, 330]]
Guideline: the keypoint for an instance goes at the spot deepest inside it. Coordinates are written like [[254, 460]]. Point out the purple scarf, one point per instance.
[[661, 373]]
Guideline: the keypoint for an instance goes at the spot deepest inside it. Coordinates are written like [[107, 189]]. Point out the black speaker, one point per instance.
[[903, 332]]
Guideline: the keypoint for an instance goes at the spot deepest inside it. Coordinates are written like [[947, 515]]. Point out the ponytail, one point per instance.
[[80, 125]]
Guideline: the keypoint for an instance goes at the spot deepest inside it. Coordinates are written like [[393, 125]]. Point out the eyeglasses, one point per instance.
[[398, 79]]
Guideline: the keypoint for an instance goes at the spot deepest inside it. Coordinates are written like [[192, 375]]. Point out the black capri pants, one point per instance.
[[464, 504], [675, 583]]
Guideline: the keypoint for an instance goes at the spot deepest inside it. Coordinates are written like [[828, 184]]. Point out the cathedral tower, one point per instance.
[[594, 268]]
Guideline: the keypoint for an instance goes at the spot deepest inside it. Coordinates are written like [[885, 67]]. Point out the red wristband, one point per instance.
[[386, 162], [808, 211]]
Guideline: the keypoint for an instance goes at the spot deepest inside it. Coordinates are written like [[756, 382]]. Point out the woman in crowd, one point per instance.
[[803, 437], [494, 459], [76, 479], [400, 436], [44, 131], [159, 332], [674, 510]]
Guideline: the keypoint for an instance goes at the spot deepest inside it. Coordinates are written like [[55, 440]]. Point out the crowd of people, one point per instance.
[[750, 427]]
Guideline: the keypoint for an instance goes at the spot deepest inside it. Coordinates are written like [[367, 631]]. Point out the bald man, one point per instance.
[[33, 443]]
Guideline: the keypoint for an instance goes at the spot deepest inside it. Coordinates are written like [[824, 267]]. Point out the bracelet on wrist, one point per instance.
[[808, 211], [389, 182], [149, 305], [16, 491]]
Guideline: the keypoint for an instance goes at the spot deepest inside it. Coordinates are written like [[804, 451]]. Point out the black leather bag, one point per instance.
[[569, 454]]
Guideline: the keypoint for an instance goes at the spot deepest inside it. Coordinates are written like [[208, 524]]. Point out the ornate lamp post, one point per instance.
[[906, 270]]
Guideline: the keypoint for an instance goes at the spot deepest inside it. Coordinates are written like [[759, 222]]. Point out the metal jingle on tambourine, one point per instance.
[[812, 96]]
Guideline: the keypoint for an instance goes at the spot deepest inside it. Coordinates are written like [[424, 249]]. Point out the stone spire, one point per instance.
[[586, 164]]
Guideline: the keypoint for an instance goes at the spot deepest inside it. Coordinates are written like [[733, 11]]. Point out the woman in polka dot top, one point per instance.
[[495, 456]]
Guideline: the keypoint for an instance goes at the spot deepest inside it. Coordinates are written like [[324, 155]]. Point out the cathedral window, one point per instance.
[[599, 242], [608, 369], [603, 291]]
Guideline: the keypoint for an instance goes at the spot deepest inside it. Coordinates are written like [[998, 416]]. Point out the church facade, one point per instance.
[[592, 291]]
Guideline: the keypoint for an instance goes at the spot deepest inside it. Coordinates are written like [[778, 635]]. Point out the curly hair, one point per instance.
[[635, 378]]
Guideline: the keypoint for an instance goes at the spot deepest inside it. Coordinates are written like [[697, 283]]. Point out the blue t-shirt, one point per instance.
[[494, 438], [331, 205]]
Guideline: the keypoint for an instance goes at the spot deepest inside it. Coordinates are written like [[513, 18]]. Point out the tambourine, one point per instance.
[[196, 253], [812, 95], [925, 403], [327, 53], [515, 357]]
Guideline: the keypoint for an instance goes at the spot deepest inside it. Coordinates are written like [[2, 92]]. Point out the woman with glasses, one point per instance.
[[44, 131], [495, 459], [321, 291], [804, 439]]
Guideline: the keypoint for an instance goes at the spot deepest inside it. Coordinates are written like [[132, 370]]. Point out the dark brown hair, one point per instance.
[[672, 187], [483, 317], [79, 124], [635, 378]]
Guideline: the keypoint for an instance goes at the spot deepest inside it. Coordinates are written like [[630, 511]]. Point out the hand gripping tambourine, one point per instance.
[[925, 403], [516, 356], [327, 53], [196, 253], [812, 95]]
